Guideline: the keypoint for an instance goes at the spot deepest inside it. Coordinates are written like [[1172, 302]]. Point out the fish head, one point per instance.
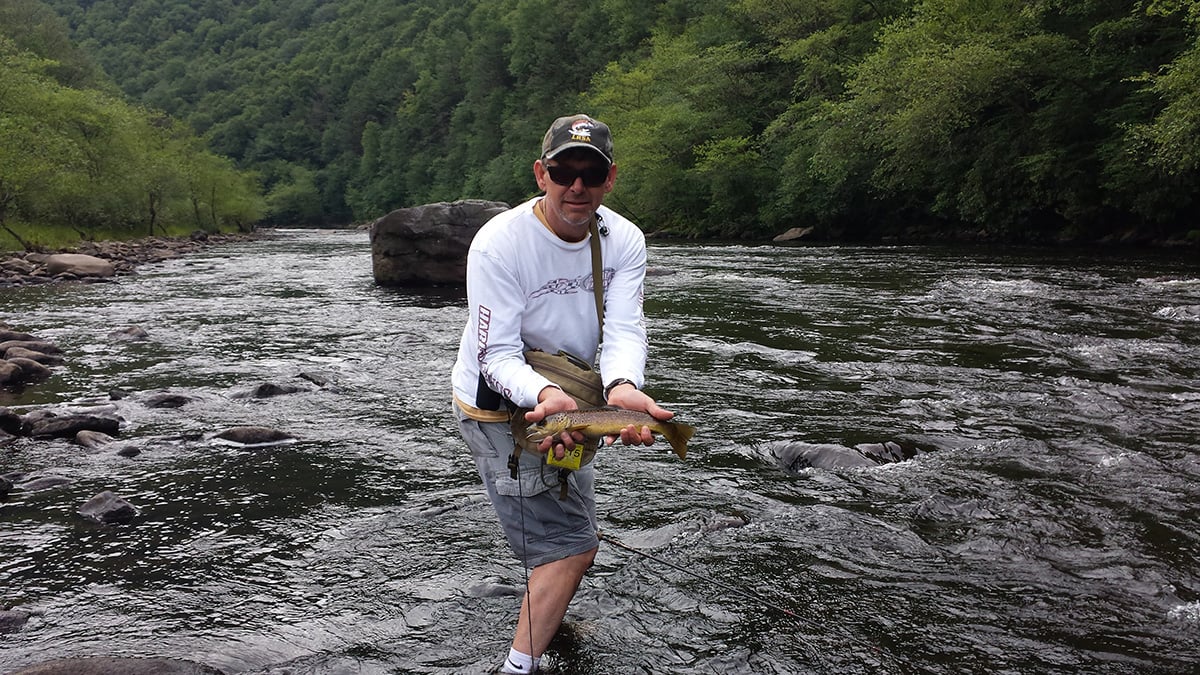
[[551, 426]]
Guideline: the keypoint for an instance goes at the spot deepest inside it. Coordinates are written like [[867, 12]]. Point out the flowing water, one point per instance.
[[1045, 519]]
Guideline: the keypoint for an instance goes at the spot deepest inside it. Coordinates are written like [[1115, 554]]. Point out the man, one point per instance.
[[529, 286]]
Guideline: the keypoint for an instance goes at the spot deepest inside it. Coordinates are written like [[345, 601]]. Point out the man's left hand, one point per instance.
[[630, 397]]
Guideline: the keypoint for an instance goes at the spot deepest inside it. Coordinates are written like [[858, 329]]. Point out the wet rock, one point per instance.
[[42, 483], [103, 665], [69, 424], [716, 523], [18, 267], [79, 265], [316, 378], [92, 439], [267, 390], [129, 451], [427, 245], [10, 373], [167, 400], [7, 334], [252, 435], [23, 353], [129, 333], [887, 452], [30, 370], [107, 508], [6, 486], [797, 456], [40, 346], [12, 620]]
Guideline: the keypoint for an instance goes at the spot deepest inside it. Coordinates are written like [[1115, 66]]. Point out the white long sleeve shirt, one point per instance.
[[529, 289]]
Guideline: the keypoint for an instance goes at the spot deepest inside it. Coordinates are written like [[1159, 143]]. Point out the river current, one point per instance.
[[1042, 519]]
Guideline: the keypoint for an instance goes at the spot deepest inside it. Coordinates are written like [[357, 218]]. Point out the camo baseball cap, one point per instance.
[[578, 131]]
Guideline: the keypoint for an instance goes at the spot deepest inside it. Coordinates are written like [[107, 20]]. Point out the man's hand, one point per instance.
[[554, 400], [630, 397]]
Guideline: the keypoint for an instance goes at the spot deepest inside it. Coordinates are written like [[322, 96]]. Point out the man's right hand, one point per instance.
[[554, 400]]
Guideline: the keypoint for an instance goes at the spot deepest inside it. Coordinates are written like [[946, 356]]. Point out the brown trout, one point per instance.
[[596, 423]]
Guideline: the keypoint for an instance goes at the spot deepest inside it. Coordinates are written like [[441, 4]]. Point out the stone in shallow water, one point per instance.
[[268, 390], [12, 620], [167, 400], [45, 482], [68, 425], [251, 435], [108, 508], [129, 333]]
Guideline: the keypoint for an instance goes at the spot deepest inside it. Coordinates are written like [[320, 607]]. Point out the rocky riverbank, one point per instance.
[[93, 261]]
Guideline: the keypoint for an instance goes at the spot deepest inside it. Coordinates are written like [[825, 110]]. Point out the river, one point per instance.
[[1044, 521]]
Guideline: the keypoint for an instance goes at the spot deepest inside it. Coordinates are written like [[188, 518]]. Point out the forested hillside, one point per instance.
[[1027, 121], [75, 155]]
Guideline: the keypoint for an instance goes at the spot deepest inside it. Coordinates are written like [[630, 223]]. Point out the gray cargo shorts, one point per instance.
[[540, 527]]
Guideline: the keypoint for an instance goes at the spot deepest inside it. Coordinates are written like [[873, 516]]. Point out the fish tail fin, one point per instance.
[[678, 436]]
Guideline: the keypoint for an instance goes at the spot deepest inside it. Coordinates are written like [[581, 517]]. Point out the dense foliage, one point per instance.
[[1005, 119], [73, 153]]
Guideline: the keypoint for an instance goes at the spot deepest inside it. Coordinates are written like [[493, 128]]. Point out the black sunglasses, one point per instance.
[[593, 175]]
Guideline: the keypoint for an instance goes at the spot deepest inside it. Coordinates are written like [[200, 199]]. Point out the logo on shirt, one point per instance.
[[563, 286]]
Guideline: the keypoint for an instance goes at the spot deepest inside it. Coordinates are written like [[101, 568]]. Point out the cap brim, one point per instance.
[[578, 144]]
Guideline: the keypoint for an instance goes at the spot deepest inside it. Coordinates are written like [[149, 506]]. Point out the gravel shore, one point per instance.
[[28, 268]]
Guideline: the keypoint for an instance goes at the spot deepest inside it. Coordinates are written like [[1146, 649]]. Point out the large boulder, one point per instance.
[[79, 264], [427, 245]]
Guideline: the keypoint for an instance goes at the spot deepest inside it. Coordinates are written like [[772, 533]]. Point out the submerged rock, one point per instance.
[[251, 435], [268, 390], [12, 620], [796, 455], [167, 400], [42, 483], [129, 333]]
